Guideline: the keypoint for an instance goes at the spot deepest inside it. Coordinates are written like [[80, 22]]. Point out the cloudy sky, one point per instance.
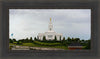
[[74, 23]]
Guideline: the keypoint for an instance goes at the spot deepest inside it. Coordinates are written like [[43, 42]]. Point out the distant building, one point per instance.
[[50, 34], [75, 46]]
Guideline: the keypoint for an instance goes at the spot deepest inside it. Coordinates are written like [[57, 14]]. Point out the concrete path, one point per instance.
[[33, 48]]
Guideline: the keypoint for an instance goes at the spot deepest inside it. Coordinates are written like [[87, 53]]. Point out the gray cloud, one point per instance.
[[29, 22]]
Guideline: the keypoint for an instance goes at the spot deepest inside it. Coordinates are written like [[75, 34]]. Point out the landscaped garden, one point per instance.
[[62, 44]]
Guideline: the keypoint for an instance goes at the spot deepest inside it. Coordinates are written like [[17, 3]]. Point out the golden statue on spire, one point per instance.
[[50, 19]]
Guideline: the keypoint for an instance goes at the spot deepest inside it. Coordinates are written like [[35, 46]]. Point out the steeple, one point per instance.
[[50, 26], [50, 19]]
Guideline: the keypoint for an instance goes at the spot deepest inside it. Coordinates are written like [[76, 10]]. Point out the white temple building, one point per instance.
[[50, 34]]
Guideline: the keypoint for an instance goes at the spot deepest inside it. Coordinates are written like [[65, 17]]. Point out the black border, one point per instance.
[[48, 5]]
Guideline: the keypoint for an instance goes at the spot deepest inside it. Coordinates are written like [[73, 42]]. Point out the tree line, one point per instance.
[[64, 41]]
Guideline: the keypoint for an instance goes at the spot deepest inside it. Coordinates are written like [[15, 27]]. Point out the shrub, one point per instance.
[[47, 44]]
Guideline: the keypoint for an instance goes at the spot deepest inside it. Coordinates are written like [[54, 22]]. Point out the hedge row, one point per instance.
[[47, 44]]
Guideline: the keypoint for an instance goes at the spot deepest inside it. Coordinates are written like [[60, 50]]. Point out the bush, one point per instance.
[[10, 47], [28, 44], [14, 42], [47, 44]]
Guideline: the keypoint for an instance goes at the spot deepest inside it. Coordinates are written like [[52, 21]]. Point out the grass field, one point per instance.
[[41, 44]]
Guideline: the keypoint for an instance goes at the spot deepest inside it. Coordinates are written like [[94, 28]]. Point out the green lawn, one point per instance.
[[36, 45], [47, 44], [11, 44]]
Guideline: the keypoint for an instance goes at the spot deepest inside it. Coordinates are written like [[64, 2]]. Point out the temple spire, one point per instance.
[[50, 26], [50, 19]]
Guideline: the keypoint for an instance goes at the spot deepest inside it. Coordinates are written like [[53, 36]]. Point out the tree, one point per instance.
[[63, 38], [69, 40], [10, 41], [82, 41], [88, 45], [31, 40], [55, 38], [35, 39], [64, 41], [14, 40], [60, 38], [22, 40], [26, 40], [44, 38], [17, 42], [72, 40], [77, 40], [38, 37]]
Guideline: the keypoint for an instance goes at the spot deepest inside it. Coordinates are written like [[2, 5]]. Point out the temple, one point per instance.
[[50, 34]]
